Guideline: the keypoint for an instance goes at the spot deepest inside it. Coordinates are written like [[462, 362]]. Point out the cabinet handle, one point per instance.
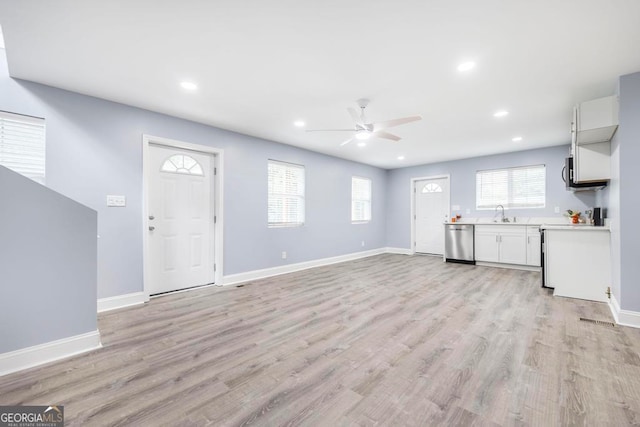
[[528, 240]]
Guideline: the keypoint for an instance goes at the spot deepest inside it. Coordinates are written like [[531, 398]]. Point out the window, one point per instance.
[[432, 187], [286, 194], [521, 187], [360, 199], [22, 147], [180, 163]]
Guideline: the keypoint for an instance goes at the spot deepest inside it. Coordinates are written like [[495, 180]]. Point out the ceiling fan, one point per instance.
[[365, 130]]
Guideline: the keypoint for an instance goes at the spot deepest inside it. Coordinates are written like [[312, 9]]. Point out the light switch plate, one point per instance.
[[116, 201]]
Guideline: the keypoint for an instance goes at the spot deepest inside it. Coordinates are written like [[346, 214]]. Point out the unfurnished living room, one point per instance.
[[389, 213]]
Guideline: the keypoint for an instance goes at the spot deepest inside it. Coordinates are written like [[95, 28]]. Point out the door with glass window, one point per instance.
[[431, 203], [180, 219]]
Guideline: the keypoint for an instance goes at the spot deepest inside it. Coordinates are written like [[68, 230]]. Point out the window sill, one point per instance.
[[286, 225], [361, 222]]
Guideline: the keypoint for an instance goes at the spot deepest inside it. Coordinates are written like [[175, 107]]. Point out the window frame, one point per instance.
[[302, 197], [509, 204], [33, 167], [368, 201]]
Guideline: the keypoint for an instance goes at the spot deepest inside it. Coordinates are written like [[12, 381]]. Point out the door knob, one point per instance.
[[151, 228]]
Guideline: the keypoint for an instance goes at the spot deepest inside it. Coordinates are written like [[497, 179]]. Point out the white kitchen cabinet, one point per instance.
[[487, 245], [533, 246], [577, 262], [595, 121], [594, 124], [501, 243]]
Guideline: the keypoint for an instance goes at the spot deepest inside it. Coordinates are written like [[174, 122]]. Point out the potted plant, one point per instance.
[[574, 215]]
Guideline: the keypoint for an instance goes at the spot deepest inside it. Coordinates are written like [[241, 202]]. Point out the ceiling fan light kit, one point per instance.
[[364, 130]]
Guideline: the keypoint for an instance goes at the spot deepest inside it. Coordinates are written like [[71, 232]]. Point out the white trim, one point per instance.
[[29, 357], [218, 185], [413, 203], [233, 279], [509, 266], [121, 301], [398, 251], [624, 317]]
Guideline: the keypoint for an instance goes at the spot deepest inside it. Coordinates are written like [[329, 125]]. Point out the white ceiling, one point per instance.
[[260, 65]]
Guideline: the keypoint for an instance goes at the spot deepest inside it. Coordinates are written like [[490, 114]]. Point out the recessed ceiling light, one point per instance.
[[466, 66], [362, 144], [299, 123], [189, 85], [500, 113], [516, 139], [400, 157]]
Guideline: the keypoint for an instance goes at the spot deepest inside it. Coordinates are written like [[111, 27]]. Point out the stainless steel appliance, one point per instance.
[[568, 177], [459, 243]]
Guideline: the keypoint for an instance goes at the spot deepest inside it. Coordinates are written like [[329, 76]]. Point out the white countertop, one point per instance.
[[575, 227], [550, 223]]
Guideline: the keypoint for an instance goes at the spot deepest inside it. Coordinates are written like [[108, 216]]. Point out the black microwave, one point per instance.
[[568, 175]]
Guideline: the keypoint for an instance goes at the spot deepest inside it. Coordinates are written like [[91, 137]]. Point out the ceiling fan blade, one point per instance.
[[356, 118], [346, 142], [330, 130], [395, 122], [386, 135]]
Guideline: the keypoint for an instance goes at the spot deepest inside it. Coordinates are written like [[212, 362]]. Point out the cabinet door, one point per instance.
[[533, 249], [593, 162], [486, 246], [513, 248]]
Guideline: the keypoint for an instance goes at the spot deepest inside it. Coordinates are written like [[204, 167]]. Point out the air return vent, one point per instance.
[[598, 322]]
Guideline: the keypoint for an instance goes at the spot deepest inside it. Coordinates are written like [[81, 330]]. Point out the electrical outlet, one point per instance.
[[363, 243], [116, 201], [556, 209], [284, 255]]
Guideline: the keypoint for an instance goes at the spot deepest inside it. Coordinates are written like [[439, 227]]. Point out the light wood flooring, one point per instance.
[[386, 340]]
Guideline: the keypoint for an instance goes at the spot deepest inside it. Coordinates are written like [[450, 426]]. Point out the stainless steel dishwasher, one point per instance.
[[459, 243]]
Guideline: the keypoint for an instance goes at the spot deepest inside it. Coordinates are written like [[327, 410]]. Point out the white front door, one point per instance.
[[431, 201], [180, 219]]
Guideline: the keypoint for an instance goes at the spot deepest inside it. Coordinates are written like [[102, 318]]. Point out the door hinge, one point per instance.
[[215, 219], [414, 217], [214, 267], [215, 171]]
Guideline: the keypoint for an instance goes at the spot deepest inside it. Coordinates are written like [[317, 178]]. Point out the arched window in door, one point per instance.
[[181, 163], [432, 187]]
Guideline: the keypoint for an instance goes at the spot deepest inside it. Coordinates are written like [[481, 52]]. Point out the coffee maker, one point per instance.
[[596, 216]]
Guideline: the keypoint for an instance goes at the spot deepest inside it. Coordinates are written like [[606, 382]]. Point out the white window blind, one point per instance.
[[286, 194], [360, 199], [520, 187], [22, 145]]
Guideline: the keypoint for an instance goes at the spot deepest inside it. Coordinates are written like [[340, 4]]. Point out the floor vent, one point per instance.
[[598, 322]]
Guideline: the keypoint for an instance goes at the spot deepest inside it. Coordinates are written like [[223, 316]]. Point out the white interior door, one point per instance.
[[431, 202], [180, 219]]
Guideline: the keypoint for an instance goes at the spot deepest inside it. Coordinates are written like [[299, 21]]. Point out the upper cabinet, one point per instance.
[[594, 124], [595, 121]]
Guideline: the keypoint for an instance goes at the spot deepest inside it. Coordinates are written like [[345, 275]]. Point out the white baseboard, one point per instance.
[[233, 279], [121, 301], [624, 317], [508, 266], [399, 251], [40, 354]]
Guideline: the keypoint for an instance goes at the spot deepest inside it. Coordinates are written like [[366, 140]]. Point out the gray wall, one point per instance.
[[627, 146], [94, 148], [463, 188], [47, 264]]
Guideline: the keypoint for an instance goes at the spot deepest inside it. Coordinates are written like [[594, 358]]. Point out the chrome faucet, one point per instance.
[[502, 217]]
